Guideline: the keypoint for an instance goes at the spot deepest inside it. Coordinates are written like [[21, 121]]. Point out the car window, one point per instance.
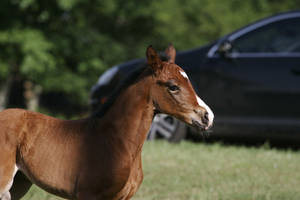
[[277, 37]]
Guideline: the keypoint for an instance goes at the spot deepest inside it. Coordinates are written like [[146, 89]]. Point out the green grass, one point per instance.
[[189, 171]]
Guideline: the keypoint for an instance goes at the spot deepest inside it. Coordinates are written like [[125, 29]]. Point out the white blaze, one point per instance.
[[201, 103], [209, 111], [184, 74]]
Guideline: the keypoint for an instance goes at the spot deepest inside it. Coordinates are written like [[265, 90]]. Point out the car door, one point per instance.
[[265, 66]]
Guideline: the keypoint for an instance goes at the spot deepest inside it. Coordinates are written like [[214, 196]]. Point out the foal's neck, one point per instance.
[[131, 114]]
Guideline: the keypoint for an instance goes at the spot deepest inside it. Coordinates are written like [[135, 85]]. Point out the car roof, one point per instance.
[[252, 26], [262, 22]]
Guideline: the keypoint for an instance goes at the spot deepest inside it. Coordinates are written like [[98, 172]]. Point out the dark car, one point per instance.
[[250, 79]]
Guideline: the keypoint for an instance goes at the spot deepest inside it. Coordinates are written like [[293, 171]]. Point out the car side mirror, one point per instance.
[[225, 49]]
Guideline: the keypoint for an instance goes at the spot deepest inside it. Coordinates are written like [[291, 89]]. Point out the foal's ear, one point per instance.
[[171, 53], [153, 59]]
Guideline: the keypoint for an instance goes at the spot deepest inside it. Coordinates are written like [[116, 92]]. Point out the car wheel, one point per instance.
[[167, 127]]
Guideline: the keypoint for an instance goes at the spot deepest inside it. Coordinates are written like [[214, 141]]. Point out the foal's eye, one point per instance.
[[173, 88]]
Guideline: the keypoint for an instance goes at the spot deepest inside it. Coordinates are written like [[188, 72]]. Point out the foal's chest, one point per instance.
[[134, 181]]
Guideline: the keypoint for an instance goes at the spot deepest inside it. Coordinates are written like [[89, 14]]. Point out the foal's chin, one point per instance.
[[199, 125], [193, 121], [201, 128]]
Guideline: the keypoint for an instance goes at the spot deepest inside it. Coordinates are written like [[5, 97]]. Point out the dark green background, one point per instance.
[[62, 46]]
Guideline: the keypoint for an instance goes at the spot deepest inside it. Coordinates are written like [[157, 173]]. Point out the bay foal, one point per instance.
[[98, 157]]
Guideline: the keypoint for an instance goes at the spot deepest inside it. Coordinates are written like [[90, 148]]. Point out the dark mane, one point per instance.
[[123, 85], [129, 80]]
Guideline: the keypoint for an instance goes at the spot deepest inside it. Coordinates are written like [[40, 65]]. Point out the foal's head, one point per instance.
[[172, 92]]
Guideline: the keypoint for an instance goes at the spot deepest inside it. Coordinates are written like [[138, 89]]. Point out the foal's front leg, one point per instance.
[[8, 170], [6, 196]]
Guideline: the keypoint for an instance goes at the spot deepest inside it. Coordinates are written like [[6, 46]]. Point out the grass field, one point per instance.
[[189, 171]]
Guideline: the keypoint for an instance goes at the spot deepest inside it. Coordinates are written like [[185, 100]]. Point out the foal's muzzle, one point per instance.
[[203, 119]]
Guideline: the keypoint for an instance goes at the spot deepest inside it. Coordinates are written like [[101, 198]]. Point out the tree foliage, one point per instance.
[[64, 45]]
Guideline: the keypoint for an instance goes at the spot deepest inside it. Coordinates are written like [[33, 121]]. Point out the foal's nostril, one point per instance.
[[205, 118]]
